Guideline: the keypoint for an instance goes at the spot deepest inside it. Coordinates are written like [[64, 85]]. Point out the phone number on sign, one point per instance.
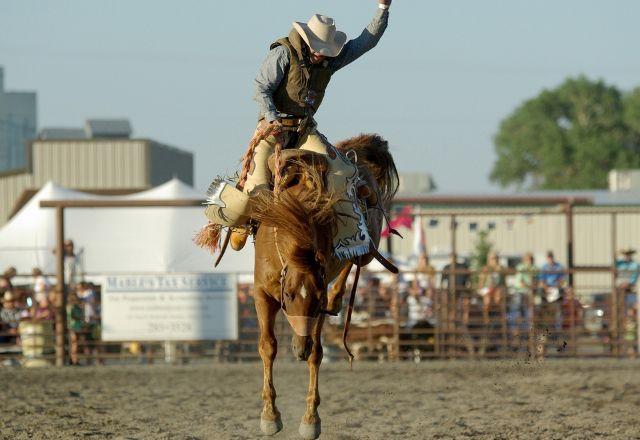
[[170, 326]]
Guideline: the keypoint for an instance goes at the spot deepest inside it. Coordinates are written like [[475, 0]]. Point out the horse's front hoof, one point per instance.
[[309, 432], [270, 427]]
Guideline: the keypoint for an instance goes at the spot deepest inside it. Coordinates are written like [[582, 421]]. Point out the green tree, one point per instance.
[[568, 138]]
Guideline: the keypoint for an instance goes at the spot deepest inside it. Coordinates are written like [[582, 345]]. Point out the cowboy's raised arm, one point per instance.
[[268, 79], [367, 40]]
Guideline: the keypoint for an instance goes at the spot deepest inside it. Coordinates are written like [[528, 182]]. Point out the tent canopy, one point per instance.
[[116, 240]]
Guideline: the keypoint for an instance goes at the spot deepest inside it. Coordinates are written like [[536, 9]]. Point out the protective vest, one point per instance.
[[301, 91]]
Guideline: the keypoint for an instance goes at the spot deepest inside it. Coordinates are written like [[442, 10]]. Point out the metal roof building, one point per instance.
[[110, 164]]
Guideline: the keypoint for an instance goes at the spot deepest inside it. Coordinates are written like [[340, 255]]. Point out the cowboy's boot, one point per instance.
[[238, 238]]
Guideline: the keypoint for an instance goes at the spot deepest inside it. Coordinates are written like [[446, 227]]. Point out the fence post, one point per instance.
[[531, 306], [371, 311], [614, 288], [503, 313], [572, 322], [61, 303], [438, 314], [396, 320], [451, 294]]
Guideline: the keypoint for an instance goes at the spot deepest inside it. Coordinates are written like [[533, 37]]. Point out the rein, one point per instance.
[[347, 322]]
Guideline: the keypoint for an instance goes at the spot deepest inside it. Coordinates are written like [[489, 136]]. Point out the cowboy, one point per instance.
[[290, 87], [627, 270]]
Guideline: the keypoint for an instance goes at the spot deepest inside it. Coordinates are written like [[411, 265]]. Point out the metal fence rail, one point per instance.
[[457, 324]]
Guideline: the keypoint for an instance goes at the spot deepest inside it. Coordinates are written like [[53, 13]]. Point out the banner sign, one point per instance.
[[176, 307]]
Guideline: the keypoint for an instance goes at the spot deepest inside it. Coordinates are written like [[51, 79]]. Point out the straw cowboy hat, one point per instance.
[[321, 35], [627, 251]]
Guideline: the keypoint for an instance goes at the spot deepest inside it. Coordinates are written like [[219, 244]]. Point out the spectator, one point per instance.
[[5, 280], [10, 317], [426, 274], [87, 296], [552, 280], [71, 271], [525, 283], [40, 284], [461, 287], [631, 331], [43, 310], [492, 288], [75, 323], [462, 276], [492, 281], [627, 276], [419, 306]]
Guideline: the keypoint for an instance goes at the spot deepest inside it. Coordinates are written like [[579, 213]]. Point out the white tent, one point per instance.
[[116, 240]]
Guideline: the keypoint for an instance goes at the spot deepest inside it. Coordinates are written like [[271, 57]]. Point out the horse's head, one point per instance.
[[303, 219]]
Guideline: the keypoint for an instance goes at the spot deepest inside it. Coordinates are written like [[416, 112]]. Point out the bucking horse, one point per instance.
[[295, 261]]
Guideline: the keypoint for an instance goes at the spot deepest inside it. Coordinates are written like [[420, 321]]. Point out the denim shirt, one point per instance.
[[274, 67]]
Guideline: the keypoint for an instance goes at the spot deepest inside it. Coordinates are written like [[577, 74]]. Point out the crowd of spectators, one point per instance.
[[494, 299], [36, 302]]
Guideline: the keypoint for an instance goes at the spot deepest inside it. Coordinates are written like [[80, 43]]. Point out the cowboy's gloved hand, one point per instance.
[[274, 127]]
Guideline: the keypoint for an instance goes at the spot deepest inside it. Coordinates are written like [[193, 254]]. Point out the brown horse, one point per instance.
[[294, 262]]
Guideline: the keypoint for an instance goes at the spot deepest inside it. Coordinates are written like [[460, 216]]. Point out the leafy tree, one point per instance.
[[569, 137]]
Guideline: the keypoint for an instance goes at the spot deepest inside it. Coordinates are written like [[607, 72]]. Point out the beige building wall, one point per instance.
[[520, 230], [95, 164], [91, 164]]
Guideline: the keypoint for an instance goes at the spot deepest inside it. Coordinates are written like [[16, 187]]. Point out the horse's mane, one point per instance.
[[373, 153], [300, 213]]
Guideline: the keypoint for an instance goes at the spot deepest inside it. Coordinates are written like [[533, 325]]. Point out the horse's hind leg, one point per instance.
[[270, 422], [310, 424], [334, 301]]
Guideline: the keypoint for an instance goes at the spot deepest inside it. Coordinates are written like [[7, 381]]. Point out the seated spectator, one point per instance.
[[43, 310], [40, 284], [462, 276], [10, 316], [426, 274], [461, 287], [552, 280], [491, 283], [5, 280], [630, 327], [87, 295], [75, 324], [419, 306], [627, 270], [525, 283]]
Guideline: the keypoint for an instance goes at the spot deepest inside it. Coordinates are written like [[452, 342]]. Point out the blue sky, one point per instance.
[[437, 85]]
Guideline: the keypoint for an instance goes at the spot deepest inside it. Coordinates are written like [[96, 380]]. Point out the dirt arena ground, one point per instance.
[[502, 399]]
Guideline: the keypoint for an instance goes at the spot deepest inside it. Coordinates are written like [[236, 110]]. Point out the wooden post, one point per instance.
[[569, 222], [531, 306], [614, 320], [503, 321], [638, 322], [371, 311], [450, 327], [438, 313], [61, 304], [572, 322], [396, 319]]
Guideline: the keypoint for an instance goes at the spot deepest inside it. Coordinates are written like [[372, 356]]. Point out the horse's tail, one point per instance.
[[373, 153]]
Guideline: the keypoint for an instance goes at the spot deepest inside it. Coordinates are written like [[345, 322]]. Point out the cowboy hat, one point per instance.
[[627, 251], [8, 296], [321, 35]]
